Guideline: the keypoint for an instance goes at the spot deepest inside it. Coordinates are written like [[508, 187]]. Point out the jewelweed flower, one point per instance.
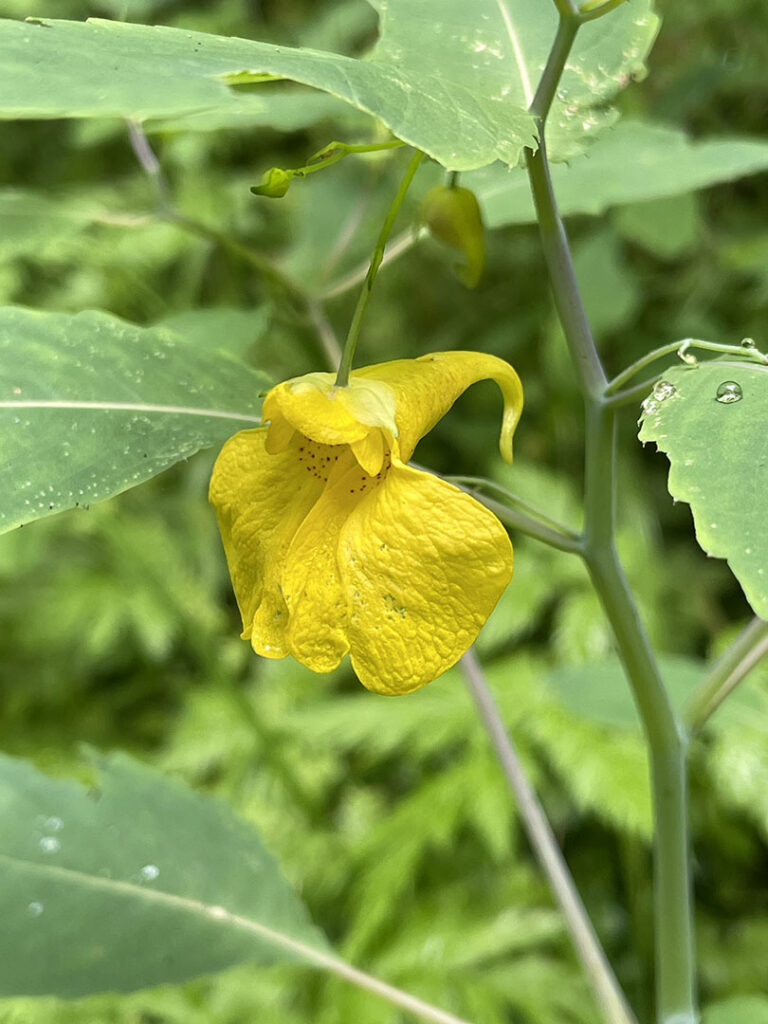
[[336, 546]]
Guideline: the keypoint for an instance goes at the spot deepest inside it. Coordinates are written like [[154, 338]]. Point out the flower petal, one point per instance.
[[329, 414], [279, 434], [370, 452], [312, 585], [427, 387], [423, 565], [261, 500]]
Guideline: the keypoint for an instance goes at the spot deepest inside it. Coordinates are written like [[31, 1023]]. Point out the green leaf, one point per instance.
[[139, 882], [603, 768], [610, 290], [738, 765], [599, 691], [287, 109], [652, 161], [719, 462], [452, 83], [590, 728], [668, 228], [220, 328], [91, 405]]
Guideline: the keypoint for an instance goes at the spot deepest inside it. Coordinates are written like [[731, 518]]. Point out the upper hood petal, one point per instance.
[[314, 406], [426, 388]]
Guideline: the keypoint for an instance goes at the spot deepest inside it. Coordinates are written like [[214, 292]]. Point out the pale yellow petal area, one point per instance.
[[423, 565], [312, 584], [427, 387], [261, 500], [314, 406], [279, 434], [372, 402], [370, 452]]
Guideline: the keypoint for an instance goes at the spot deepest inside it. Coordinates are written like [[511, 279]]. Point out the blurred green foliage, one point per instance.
[[118, 628]]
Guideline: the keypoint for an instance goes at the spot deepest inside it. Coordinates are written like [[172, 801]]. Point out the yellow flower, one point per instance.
[[336, 546]]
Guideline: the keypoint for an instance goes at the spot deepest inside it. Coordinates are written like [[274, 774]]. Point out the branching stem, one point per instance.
[[663, 732]]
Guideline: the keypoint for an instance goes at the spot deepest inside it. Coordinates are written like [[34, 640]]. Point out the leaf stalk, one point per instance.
[[682, 348], [517, 514]]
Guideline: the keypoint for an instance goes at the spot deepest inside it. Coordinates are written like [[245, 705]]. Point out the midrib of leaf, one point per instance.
[[517, 47], [158, 896], [223, 916], [177, 410]]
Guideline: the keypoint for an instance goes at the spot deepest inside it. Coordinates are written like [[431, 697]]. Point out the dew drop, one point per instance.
[[729, 392], [748, 343], [662, 390], [35, 908], [650, 406], [149, 872], [54, 824], [50, 844]]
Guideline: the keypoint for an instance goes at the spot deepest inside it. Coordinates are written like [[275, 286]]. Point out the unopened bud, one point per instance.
[[453, 216]]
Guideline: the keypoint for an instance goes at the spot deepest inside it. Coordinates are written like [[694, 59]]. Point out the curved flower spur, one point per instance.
[[335, 545]]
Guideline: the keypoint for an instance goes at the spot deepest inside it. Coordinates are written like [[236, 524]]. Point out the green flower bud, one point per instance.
[[453, 216], [274, 183]]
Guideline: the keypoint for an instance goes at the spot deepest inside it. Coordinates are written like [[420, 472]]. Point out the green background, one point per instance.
[[118, 627]]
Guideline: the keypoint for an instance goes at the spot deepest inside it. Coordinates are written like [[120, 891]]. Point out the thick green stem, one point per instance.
[[675, 966], [562, 277], [728, 671], [675, 970], [348, 355], [567, 28]]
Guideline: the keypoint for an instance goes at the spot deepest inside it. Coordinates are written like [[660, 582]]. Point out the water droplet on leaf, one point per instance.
[[662, 390], [729, 392], [748, 343], [650, 406], [35, 908], [149, 872], [49, 844]]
